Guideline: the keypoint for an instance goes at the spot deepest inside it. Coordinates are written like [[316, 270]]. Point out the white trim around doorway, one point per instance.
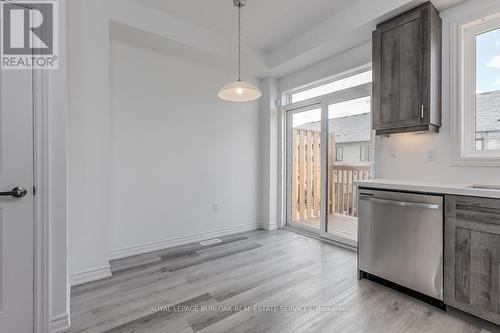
[[41, 209], [44, 98]]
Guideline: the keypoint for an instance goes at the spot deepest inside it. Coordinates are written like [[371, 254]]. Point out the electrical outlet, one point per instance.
[[394, 152], [215, 207], [431, 155]]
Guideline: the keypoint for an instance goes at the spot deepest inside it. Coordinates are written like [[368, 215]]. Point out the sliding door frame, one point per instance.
[[314, 103], [289, 115]]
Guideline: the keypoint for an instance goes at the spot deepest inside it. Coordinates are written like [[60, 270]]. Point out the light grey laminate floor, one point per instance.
[[258, 281]]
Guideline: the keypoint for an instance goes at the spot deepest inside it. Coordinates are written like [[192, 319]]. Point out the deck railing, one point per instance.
[[342, 192], [306, 178]]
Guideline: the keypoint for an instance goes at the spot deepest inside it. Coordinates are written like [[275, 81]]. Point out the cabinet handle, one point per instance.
[[422, 111]]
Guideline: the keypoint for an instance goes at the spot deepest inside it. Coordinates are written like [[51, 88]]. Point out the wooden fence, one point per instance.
[[306, 178]]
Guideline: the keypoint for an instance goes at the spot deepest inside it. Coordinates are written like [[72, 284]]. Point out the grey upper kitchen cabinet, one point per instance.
[[407, 72], [472, 256]]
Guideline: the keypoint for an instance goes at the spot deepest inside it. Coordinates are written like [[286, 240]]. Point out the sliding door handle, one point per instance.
[[17, 192]]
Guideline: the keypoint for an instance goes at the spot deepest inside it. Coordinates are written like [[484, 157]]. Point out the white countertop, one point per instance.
[[402, 185]]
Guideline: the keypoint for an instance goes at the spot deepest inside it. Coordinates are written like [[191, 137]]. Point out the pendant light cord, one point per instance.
[[239, 43]]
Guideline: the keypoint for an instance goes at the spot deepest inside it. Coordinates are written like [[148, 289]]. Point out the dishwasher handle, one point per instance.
[[400, 203]]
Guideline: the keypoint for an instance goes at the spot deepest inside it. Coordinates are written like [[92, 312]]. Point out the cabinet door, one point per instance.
[[472, 256], [398, 61]]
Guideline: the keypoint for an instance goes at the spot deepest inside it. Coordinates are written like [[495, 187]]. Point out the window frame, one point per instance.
[[469, 34], [457, 69]]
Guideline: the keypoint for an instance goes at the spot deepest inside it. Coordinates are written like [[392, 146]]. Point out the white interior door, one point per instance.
[[16, 209]]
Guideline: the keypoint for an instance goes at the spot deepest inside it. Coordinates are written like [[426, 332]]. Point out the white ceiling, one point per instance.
[[279, 36], [266, 23]]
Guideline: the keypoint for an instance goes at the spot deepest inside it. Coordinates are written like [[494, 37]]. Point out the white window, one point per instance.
[[339, 154], [365, 153], [330, 86], [479, 122]]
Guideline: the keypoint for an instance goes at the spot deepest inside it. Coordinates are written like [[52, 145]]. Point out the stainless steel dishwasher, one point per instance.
[[401, 239]]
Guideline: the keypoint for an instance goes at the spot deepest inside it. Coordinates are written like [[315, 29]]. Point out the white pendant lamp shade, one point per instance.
[[239, 91]]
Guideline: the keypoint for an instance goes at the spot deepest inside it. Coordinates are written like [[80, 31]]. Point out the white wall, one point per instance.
[[411, 164], [205, 152], [89, 139], [269, 124], [177, 150]]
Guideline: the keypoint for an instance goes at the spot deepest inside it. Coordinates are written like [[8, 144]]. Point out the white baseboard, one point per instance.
[[105, 272], [90, 275], [269, 227], [164, 244], [59, 323]]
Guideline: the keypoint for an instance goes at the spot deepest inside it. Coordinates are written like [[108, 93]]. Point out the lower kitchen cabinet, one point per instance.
[[472, 256]]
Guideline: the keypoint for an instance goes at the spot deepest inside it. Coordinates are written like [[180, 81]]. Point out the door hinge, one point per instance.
[[422, 111], [34, 190]]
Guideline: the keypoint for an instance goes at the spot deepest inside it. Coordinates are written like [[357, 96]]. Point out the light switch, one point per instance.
[[431, 155]]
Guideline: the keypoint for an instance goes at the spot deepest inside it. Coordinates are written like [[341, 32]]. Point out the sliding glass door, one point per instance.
[[349, 160], [329, 145]]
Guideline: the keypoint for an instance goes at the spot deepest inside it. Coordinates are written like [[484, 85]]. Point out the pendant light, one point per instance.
[[239, 91]]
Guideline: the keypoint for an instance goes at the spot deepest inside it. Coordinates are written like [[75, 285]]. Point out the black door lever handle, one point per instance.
[[17, 192]]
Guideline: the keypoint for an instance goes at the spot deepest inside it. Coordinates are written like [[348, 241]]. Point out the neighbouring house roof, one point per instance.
[[347, 129], [488, 111]]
